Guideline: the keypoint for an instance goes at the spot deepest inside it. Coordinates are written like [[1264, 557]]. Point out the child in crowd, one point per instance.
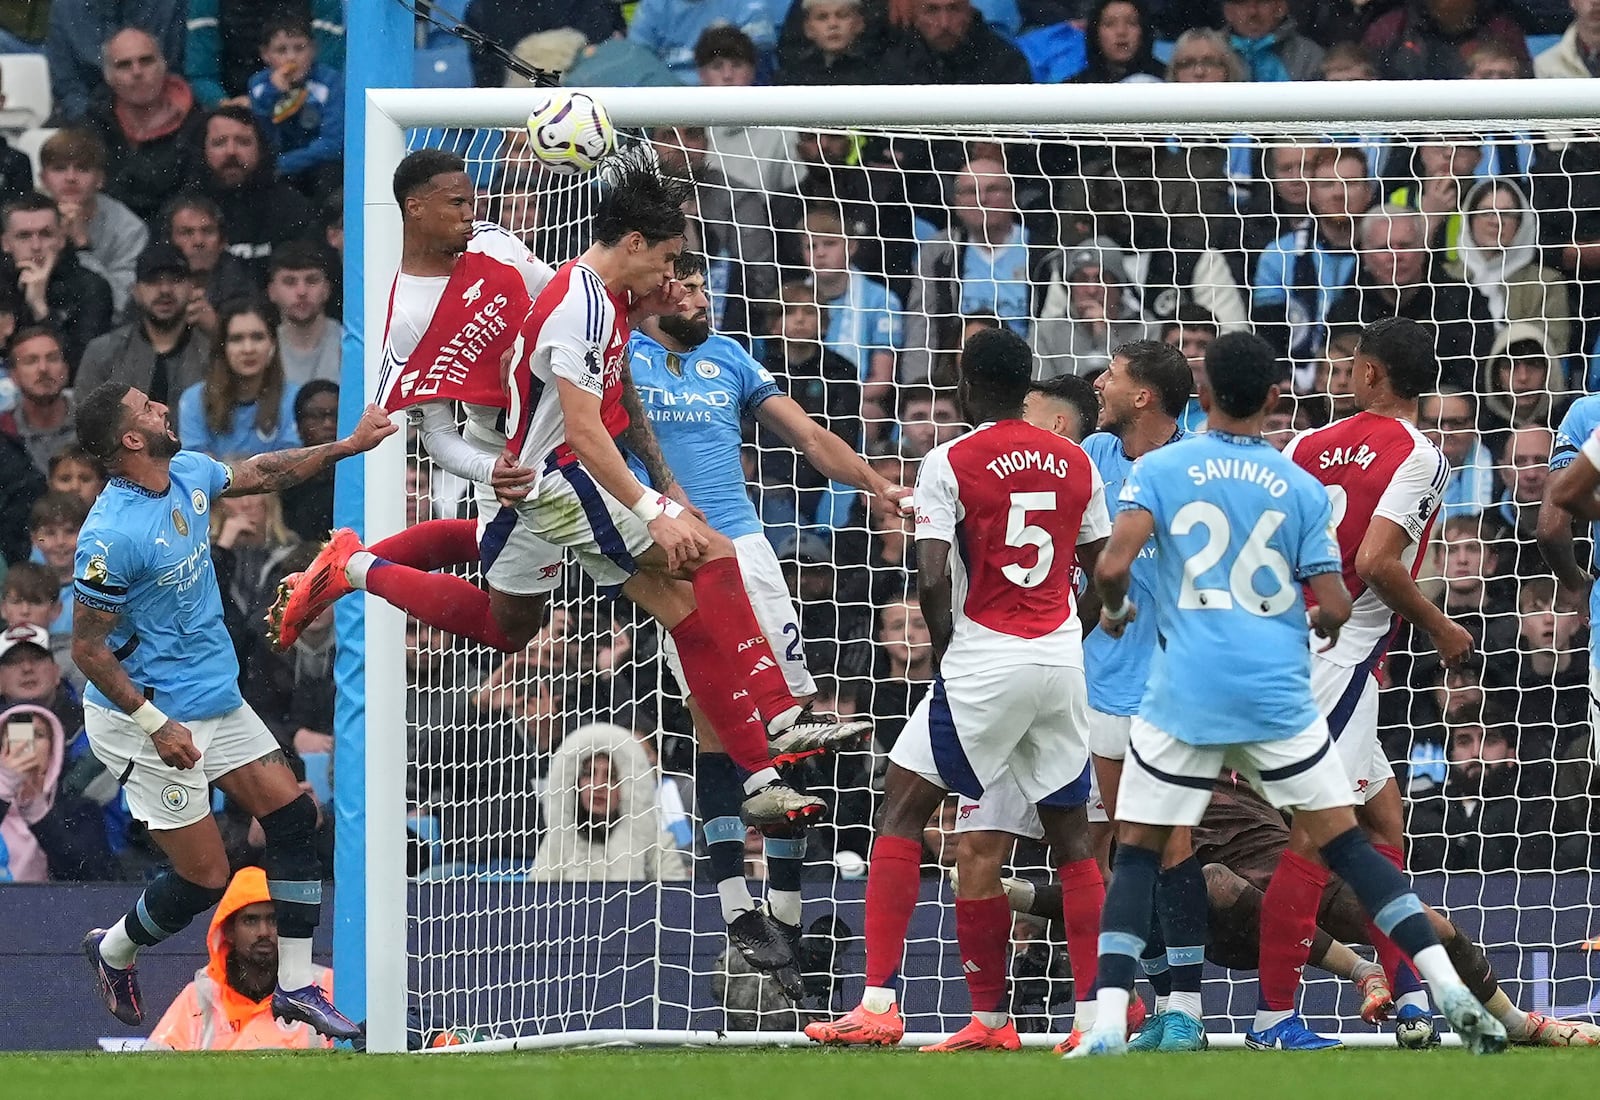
[[53, 526], [32, 596], [75, 471], [301, 101]]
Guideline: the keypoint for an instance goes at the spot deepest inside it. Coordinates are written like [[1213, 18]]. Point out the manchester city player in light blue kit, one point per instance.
[[1238, 530], [697, 387], [1570, 491], [163, 710]]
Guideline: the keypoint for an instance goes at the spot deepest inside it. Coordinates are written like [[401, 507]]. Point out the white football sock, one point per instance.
[[117, 949], [355, 571], [294, 963], [1084, 1015], [877, 998], [784, 905], [1270, 1017], [760, 779], [1187, 1003], [1111, 1004], [734, 893], [1416, 997], [1516, 1020], [1436, 967], [991, 1019]]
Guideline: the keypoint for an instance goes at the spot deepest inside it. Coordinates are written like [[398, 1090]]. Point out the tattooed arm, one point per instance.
[[91, 626], [640, 438], [268, 473]]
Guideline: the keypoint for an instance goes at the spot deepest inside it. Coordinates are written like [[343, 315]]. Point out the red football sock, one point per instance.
[[719, 592], [1390, 957], [983, 932], [431, 545], [1083, 896], [438, 599], [713, 682], [894, 877], [1288, 923]]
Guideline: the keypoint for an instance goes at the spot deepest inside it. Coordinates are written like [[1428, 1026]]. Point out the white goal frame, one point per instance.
[[391, 112]]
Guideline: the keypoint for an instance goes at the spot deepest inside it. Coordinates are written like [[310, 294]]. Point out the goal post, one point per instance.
[[398, 120]]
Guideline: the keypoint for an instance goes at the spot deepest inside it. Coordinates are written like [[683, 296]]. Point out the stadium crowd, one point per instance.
[[182, 232]]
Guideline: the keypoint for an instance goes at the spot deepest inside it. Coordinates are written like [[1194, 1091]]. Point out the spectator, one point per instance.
[[600, 813], [250, 545], [1329, 374], [982, 263], [1449, 418], [57, 290], [1500, 258], [863, 315], [928, 417], [1474, 594], [107, 235], [905, 667], [1577, 54], [1192, 332], [301, 100], [42, 420], [1494, 59], [511, 21], [53, 525], [836, 47], [1524, 465], [1349, 61], [1519, 381], [1119, 42], [244, 406], [194, 225], [872, 199], [158, 351], [79, 28], [1399, 277], [1435, 39], [32, 597], [30, 676], [1278, 428], [293, 691], [74, 470], [1445, 169], [758, 157], [223, 49], [308, 507], [1267, 39], [670, 28], [258, 210], [947, 43], [1203, 56], [149, 124], [1300, 276], [1087, 315], [1276, 210], [310, 342], [47, 833], [21, 485], [228, 1005]]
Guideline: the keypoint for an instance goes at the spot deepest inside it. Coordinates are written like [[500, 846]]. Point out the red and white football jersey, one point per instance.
[[1372, 466], [445, 335], [576, 330], [1015, 502]]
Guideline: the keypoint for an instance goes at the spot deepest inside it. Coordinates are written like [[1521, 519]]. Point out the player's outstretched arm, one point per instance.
[[1113, 569], [1379, 564], [90, 628], [1573, 489], [270, 473], [831, 456], [934, 594]]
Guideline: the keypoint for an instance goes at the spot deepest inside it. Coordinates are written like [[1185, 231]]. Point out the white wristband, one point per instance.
[[149, 717], [1119, 614], [653, 505]]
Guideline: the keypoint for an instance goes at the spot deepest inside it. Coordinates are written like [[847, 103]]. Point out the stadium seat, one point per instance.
[[30, 142], [448, 65], [27, 90]]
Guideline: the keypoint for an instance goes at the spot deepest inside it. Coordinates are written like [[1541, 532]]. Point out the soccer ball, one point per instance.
[[1416, 1033], [570, 133]]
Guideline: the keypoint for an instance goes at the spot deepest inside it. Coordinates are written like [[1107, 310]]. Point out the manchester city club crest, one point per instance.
[[174, 797], [705, 368], [198, 499], [180, 523]]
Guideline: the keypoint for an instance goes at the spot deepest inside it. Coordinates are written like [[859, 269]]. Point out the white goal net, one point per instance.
[[556, 887]]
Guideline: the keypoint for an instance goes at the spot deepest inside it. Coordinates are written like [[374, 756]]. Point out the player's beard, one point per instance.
[[689, 331], [161, 444]]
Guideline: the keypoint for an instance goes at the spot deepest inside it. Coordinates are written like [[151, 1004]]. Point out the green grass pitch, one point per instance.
[[797, 1075]]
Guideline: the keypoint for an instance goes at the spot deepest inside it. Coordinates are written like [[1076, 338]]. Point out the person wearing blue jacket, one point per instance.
[[670, 28], [300, 102]]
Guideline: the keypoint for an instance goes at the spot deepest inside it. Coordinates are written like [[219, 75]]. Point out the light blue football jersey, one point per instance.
[[146, 556], [1579, 423], [1118, 667], [697, 402], [1238, 528]]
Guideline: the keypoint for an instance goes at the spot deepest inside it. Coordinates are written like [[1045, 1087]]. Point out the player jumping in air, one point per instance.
[[1385, 479], [1024, 506], [1238, 529], [697, 388], [569, 377], [462, 288], [1238, 843], [163, 710]]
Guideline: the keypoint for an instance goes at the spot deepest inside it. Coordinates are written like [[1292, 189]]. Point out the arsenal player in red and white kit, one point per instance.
[[1385, 480], [1004, 515], [461, 291], [569, 401]]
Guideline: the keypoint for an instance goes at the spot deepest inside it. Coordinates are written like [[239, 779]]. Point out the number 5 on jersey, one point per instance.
[[1020, 533]]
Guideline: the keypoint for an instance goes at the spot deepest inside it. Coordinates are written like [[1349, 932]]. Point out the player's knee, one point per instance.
[[718, 545], [981, 861], [520, 618], [292, 826]]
